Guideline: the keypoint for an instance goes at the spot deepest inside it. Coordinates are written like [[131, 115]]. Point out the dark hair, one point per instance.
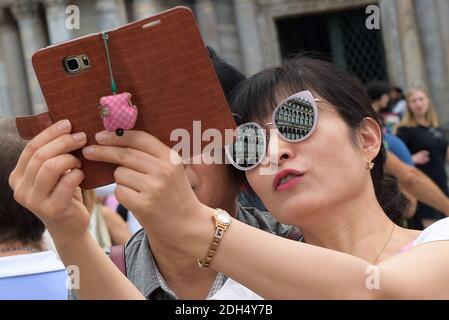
[[399, 90], [229, 78], [16, 222], [227, 74], [255, 100], [377, 89]]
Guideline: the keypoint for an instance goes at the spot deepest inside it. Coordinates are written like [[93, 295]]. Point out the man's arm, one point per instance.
[[265, 221], [411, 209], [117, 227], [418, 184]]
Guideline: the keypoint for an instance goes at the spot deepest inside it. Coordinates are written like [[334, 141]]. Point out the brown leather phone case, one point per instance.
[[161, 60]]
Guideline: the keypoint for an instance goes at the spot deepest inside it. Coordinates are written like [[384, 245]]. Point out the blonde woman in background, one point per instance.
[[421, 133]]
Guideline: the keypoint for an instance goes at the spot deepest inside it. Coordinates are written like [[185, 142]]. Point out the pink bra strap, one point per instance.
[[407, 247]]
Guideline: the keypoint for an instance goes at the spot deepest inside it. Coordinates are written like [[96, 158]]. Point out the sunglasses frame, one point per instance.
[[303, 95], [260, 159]]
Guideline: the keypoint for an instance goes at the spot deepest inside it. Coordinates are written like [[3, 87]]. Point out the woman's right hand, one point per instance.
[[46, 181]]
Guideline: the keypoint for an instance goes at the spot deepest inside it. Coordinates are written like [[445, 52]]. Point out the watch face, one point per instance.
[[223, 217]]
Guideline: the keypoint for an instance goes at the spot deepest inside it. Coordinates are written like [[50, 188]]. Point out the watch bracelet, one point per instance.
[[205, 262]]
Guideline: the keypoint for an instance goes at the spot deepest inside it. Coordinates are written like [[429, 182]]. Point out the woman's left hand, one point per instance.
[[152, 183]]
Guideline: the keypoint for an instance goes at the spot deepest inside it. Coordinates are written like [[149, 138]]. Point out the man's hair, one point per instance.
[[229, 78], [16, 222], [398, 90], [377, 89], [227, 74]]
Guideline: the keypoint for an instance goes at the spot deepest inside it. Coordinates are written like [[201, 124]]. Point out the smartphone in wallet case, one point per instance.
[[161, 60]]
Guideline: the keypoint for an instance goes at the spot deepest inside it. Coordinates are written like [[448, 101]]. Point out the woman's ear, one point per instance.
[[371, 138]]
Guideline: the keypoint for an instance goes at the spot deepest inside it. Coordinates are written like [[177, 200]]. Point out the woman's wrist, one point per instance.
[[201, 231], [65, 244]]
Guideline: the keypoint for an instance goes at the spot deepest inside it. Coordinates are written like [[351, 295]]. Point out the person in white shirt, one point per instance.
[[27, 269], [397, 98]]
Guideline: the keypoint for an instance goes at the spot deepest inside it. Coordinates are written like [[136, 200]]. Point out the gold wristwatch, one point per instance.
[[222, 221]]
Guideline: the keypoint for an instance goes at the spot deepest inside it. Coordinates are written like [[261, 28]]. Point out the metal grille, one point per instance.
[[342, 36], [363, 49]]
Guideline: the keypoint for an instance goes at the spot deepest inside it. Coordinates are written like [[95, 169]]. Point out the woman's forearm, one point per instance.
[[277, 268], [98, 276], [117, 227]]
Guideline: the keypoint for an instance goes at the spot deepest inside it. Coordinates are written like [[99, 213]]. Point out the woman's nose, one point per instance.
[[279, 150], [284, 154]]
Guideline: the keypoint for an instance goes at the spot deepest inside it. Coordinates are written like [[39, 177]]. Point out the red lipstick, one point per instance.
[[286, 179]]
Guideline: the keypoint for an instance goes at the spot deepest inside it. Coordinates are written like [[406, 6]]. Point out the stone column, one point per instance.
[[442, 8], [56, 20], [443, 11], [108, 14], [246, 18], [228, 34], [429, 27], [5, 104], [145, 8], [33, 37], [14, 67], [207, 23], [412, 55], [391, 36]]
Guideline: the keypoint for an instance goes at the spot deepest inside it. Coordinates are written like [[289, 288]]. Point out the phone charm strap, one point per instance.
[[116, 110], [108, 57]]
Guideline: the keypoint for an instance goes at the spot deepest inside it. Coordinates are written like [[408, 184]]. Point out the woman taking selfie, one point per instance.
[[329, 182]]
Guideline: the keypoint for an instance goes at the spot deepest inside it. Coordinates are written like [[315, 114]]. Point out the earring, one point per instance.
[[369, 165]]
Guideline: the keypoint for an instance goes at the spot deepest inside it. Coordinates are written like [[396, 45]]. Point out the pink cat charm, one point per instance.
[[118, 113]]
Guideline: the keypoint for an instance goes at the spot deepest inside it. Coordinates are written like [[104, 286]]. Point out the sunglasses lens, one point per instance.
[[249, 147], [295, 118]]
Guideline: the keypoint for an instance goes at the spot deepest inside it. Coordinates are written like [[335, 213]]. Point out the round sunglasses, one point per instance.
[[294, 119]]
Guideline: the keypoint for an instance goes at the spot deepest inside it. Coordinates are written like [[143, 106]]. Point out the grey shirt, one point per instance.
[[142, 270]]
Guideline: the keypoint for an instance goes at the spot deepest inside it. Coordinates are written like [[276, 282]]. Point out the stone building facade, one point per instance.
[[411, 48]]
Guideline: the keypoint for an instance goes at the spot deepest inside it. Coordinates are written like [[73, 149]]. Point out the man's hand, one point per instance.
[[421, 157], [46, 181]]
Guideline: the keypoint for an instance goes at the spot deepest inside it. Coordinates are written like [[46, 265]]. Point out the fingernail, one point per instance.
[[101, 136], [63, 125], [89, 150], [79, 137]]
